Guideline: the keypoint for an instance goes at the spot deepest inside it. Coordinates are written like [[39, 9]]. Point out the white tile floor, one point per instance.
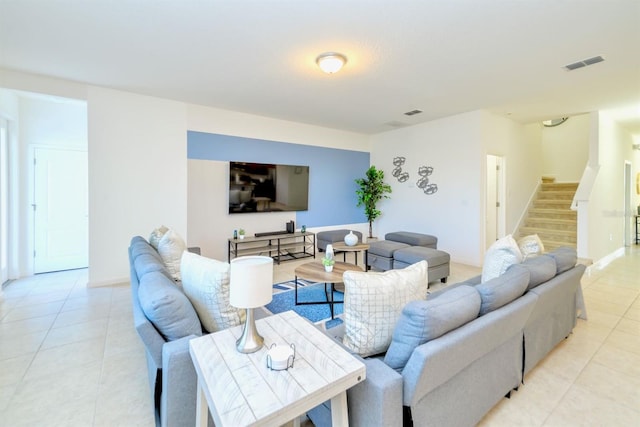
[[69, 356]]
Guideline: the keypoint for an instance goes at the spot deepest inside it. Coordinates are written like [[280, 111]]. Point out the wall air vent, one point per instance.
[[584, 63], [412, 112]]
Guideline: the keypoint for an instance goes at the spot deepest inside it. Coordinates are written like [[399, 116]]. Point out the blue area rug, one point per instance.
[[285, 286], [284, 301]]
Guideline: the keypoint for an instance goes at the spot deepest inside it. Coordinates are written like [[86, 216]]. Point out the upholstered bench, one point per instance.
[[438, 261], [381, 252], [323, 238], [413, 239]]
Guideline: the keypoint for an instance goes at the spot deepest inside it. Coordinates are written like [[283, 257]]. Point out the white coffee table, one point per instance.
[[240, 390]]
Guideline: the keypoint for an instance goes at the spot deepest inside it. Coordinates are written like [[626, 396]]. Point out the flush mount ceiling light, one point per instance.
[[331, 62]]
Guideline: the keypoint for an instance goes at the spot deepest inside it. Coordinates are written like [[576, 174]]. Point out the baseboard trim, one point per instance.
[[104, 283]]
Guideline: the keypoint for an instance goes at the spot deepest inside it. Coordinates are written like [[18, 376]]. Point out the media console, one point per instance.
[[280, 247]]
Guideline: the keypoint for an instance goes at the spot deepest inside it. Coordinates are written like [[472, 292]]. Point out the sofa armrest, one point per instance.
[[179, 384], [377, 401]]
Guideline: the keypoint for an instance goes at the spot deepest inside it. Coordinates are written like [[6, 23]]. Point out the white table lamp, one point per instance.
[[251, 286]]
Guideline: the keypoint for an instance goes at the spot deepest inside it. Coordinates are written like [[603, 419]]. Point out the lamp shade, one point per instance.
[[251, 281]]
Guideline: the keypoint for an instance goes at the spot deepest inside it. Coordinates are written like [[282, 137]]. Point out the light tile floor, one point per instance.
[[69, 356]]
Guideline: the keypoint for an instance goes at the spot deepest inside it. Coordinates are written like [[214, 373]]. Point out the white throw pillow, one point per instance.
[[205, 281], [530, 246], [170, 248], [373, 304], [156, 235], [500, 256]]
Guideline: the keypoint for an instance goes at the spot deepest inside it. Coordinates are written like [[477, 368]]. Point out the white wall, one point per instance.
[[209, 222], [456, 147], [454, 214], [565, 149], [137, 175], [606, 203], [520, 147]]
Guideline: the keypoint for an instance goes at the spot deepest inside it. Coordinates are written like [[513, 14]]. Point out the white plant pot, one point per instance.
[[350, 239], [328, 268], [241, 236]]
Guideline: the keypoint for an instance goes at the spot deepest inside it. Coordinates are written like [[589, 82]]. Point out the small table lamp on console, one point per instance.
[[251, 286]]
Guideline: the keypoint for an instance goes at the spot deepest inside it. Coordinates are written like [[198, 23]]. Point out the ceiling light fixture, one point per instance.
[[331, 62]]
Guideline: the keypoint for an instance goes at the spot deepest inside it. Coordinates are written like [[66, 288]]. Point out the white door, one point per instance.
[[60, 209], [494, 216], [4, 203]]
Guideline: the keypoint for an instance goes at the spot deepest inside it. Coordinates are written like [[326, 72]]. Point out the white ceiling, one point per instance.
[[443, 57]]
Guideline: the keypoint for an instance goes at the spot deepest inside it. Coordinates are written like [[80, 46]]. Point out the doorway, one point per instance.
[[60, 205], [495, 205], [4, 201], [628, 213]]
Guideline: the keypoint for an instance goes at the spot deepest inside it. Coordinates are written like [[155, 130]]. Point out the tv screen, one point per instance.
[[264, 187]]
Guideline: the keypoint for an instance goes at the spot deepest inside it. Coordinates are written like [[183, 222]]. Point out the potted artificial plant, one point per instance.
[[241, 233], [372, 190], [328, 264]]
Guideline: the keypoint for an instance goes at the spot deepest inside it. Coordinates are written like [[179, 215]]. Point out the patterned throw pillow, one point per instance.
[[206, 283], [530, 246], [500, 256], [170, 248], [373, 303], [156, 235]]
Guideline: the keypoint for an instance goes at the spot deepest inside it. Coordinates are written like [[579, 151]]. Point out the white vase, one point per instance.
[[350, 239], [328, 268], [328, 251]]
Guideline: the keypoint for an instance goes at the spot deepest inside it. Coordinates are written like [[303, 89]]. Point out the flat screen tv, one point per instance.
[[265, 187]]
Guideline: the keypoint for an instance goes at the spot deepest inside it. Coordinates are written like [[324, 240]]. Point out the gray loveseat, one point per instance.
[[461, 351]]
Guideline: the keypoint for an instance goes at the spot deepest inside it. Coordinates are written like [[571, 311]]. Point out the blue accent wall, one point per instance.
[[332, 172]]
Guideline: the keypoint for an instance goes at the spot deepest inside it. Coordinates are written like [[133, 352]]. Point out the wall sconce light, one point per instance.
[[331, 62]]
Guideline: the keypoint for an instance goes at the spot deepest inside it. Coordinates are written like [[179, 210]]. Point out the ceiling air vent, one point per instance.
[[412, 112], [584, 63]]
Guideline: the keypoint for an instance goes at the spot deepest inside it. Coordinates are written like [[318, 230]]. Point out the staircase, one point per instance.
[[550, 216]]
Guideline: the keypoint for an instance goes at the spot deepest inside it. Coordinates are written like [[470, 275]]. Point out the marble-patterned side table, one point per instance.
[[240, 390]]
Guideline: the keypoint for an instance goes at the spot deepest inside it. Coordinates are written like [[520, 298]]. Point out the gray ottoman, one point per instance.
[[413, 239], [381, 254], [438, 261], [323, 238]]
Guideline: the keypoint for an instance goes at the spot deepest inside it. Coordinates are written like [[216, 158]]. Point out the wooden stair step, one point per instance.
[[551, 223], [562, 186], [552, 213]]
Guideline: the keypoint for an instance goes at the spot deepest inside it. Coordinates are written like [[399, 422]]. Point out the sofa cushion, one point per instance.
[[146, 263], [502, 290], [541, 268], [566, 258], [156, 235], [206, 283], [167, 307], [530, 246], [373, 303], [502, 254], [422, 321], [170, 248], [140, 246]]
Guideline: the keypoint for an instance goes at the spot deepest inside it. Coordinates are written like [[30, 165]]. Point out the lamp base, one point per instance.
[[250, 341]]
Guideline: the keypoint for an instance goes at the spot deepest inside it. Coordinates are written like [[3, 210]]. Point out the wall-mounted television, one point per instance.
[[266, 187]]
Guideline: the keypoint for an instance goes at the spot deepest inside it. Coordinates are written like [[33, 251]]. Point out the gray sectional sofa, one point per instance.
[[166, 321], [458, 353], [171, 373]]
